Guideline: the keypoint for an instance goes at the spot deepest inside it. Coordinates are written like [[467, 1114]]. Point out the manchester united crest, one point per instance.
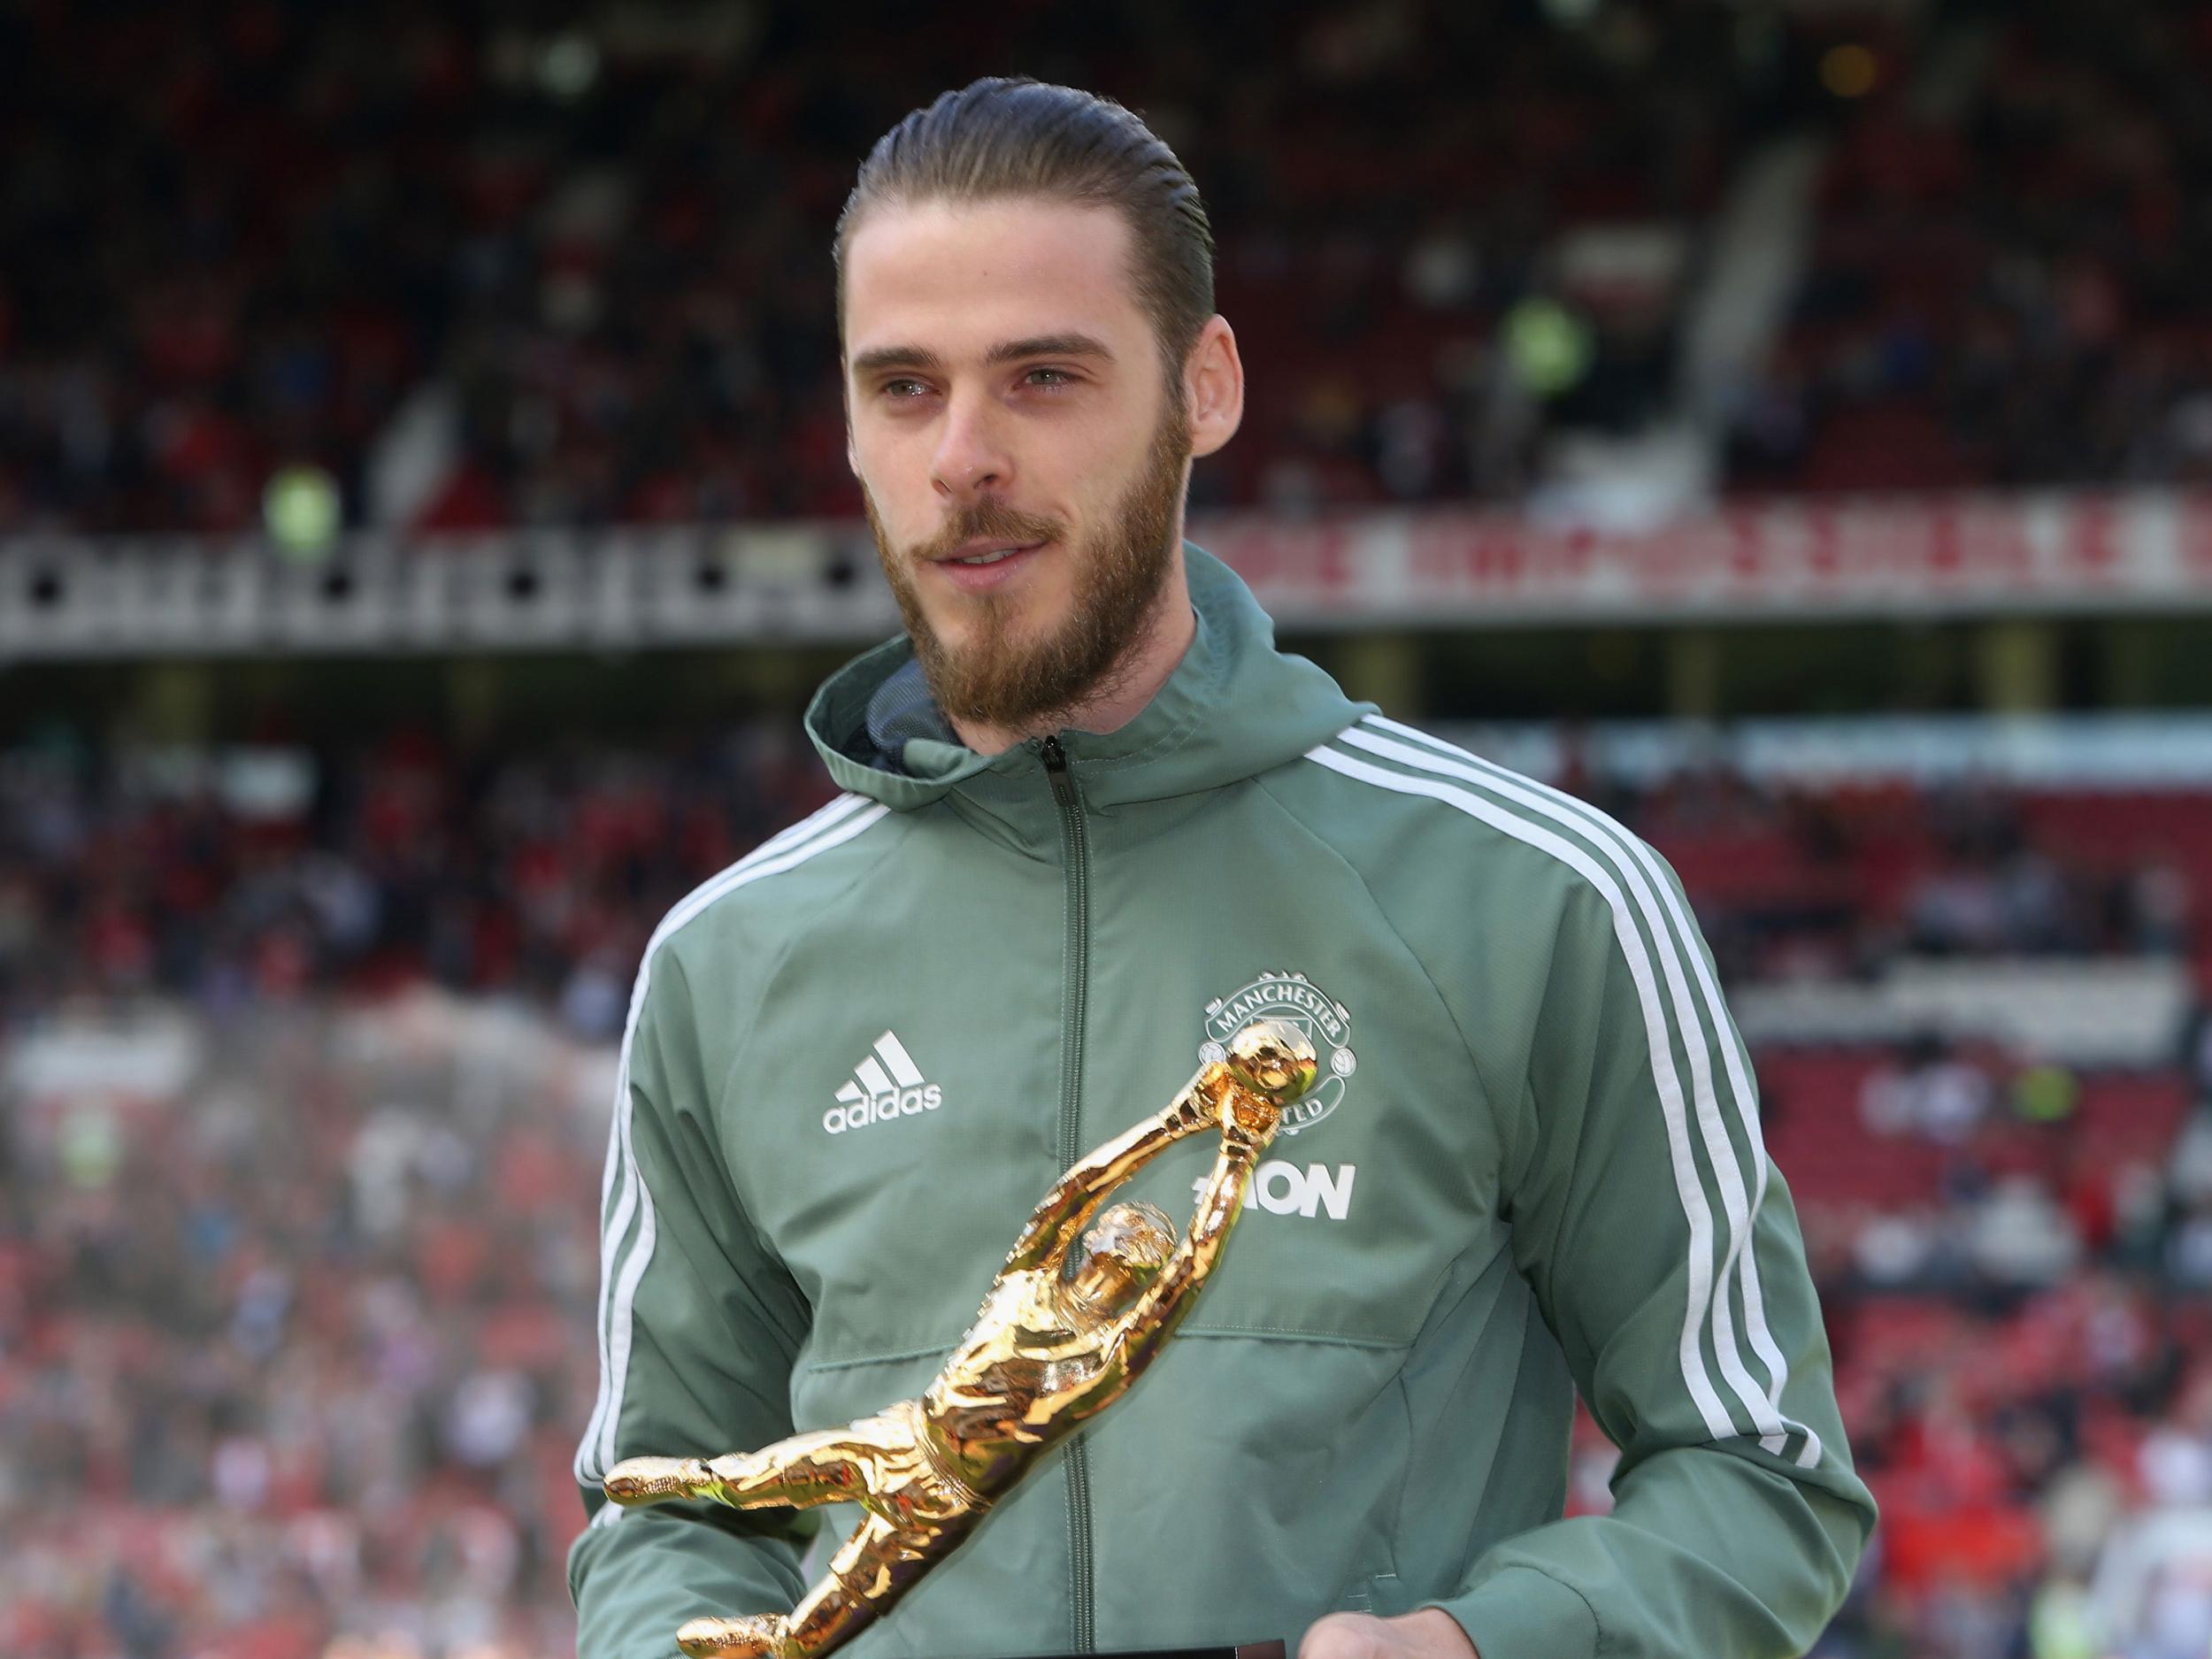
[[1326, 1023]]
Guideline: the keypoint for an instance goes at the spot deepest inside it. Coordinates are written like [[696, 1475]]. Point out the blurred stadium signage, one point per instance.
[[1795, 559], [2115, 1012], [530, 590]]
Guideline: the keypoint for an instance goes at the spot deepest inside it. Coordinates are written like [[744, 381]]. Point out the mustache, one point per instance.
[[987, 519]]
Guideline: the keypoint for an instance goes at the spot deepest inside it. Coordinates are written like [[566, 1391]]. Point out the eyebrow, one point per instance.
[[882, 358]]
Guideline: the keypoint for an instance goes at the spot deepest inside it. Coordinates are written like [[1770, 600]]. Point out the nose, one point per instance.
[[973, 459]]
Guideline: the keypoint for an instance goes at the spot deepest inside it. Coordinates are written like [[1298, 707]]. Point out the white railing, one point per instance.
[[1438, 568]]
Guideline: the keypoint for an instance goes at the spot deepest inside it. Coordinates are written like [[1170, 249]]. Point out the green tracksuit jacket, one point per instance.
[[857, 1059]]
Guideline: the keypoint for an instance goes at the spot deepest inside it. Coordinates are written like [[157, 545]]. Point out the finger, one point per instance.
[[750, 1636], [651, 1480]]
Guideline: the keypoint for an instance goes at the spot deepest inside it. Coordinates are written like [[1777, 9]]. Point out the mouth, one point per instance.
[[980, 553], [980, 569], [995, 554]]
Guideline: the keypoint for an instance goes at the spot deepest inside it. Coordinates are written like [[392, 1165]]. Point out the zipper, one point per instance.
[[1075, 853]]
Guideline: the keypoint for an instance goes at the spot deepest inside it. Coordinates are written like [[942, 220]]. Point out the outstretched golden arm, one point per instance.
[[1059, 1219], [1266, 1068]]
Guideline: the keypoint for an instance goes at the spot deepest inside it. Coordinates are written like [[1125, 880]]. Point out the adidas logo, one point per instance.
[[885, 1084]]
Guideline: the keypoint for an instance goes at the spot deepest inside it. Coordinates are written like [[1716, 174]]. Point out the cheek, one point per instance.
[[896, 473]]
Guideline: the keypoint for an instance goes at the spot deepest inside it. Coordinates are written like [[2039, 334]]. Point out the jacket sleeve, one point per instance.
[[1663, 1253], [699, 1325]]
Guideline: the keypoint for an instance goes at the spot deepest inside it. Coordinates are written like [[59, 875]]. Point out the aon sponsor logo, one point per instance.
[[1284, 1189]]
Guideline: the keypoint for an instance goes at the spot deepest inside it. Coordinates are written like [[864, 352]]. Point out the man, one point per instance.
[[1094, 821]]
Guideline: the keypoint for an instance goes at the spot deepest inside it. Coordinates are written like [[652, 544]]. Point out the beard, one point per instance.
[[1002, 677]]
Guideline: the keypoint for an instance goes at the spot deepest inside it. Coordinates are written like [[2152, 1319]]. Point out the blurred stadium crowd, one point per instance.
[[289, 1320], [2005, 282], [478, 273], [298, 1371]]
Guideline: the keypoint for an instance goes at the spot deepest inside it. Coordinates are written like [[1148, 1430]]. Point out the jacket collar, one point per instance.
[[1234, 708]]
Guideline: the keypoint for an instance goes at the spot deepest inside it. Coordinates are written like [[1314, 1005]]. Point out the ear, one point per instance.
[[1213, 387]]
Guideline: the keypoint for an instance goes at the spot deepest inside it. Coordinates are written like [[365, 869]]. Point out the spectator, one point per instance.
[[1929, 1090]]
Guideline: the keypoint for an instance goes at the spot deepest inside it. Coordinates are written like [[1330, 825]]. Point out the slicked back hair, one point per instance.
[[1010, 136]]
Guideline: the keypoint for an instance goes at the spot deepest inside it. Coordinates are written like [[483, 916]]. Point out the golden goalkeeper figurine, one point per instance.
[[1056, 1342]]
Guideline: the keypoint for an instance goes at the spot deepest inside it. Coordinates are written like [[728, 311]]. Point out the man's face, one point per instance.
[[1005, 391]]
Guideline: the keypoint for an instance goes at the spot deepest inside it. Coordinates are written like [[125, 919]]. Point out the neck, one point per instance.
[[1127, 688]]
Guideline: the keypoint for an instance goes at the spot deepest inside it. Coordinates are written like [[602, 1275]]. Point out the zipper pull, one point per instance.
[[1056, 758]]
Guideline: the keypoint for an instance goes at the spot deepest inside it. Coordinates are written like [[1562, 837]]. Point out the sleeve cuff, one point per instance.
[[1520, 1613]]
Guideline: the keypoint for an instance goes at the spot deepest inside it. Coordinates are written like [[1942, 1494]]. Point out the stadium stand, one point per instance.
[[297, 1369], [2002, 287], [485, 276], [289, 1306]]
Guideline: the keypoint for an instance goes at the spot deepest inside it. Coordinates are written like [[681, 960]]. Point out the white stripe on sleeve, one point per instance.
[[620, 1269], [1698, 1265], [1742, 1257]]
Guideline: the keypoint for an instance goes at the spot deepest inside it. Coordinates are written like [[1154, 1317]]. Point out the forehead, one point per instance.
[[958, 277]]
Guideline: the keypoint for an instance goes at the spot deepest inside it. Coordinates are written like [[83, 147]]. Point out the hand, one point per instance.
[[1189, 1114], [750, 1636], [636, 1480], [1432, 1634], [1248, 1121]]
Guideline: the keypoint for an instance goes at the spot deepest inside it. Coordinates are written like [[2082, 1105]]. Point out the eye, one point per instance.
[[902, 388], [1060, 377]]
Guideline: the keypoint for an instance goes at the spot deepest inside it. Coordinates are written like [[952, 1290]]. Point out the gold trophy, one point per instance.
[[1057, 1341]]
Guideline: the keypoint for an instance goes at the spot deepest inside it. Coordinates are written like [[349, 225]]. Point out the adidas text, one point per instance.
[[885, 1084], [881, 1108]]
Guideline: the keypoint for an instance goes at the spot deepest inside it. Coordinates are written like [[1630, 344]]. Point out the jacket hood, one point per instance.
[[1234, 708]]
